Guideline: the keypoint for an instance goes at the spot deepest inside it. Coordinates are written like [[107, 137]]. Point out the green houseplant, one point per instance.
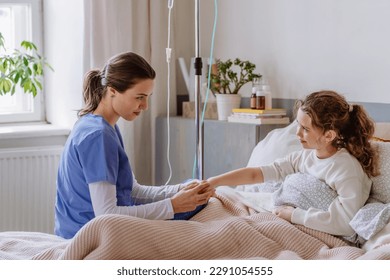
[[226, 80], [231, 75], [21, 68]]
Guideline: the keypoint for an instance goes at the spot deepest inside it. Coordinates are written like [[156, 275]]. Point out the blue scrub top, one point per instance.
[[94, 152]]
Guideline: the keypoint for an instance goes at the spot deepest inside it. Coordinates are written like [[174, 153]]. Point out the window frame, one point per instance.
[[36, 36]]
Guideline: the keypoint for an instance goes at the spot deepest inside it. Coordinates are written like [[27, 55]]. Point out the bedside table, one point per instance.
[[226, 146]]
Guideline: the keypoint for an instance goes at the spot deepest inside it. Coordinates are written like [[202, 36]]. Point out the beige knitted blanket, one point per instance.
[[223, 230]]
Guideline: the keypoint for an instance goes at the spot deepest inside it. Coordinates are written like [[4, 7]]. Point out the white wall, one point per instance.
[[307, 45], [63, 27], [300, 45], [183, 33]]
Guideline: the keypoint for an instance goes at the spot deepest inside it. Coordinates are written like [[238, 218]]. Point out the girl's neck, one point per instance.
[[327, 152]]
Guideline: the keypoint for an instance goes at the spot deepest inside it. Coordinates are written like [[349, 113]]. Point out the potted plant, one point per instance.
[[226, 82], [23, 68]]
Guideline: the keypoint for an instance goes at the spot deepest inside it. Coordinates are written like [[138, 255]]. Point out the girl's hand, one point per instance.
[[188, 183], [284, 212]]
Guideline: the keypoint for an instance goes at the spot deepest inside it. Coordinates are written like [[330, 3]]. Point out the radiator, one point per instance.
[[28, 188]]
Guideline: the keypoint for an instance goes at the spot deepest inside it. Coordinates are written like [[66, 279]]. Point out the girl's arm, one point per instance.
[[246, 175], [275, 171], [352, 194]]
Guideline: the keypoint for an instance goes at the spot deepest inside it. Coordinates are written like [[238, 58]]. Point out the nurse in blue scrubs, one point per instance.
[[94, 175]]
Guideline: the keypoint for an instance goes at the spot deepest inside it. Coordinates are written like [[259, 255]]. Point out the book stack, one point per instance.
[[255, 116]]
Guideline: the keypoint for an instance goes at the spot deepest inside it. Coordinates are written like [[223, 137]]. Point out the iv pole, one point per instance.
[[198, 123]]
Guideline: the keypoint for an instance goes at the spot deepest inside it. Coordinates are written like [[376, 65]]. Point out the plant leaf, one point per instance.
[[21, 68], [7, 85], [38, 83], [28, 45]]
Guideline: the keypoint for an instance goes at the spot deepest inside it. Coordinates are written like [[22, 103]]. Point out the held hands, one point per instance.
[[192, 195], [284, 212]]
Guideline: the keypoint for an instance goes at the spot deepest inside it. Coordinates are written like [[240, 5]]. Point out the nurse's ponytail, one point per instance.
[[93, 91]]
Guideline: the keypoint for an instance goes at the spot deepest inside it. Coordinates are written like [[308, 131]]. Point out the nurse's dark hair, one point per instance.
[[329, 110], [121, 72]]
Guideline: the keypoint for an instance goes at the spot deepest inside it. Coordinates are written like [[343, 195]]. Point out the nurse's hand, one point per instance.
[[191, 196]]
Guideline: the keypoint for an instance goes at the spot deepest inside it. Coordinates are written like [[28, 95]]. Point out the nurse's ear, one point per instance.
[[111, 91]]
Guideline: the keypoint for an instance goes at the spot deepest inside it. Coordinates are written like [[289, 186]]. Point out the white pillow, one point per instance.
[[371, 219], [304, 191], [381, 184], [277, 144]]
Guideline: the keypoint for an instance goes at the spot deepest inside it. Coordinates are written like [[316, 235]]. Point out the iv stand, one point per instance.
[[198, 80]]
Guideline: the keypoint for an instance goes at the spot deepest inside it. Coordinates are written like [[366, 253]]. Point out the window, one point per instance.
[[21, 20]]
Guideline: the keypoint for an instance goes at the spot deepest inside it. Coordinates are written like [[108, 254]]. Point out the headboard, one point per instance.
[[382, 130]]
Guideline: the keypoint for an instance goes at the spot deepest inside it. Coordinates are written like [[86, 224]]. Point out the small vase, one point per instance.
[[225, 104]]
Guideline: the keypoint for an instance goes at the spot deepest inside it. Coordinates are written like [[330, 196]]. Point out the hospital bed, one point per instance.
[[225, 229]]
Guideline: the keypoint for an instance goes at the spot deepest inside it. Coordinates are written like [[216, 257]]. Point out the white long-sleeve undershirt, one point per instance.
[[152, 202]]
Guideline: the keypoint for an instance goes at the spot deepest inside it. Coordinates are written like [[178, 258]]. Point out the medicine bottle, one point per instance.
[[265, 87], [260, 100], [253, 98], [268, 100]]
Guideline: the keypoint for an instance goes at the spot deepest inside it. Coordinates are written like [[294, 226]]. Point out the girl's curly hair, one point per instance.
[[329, 110]]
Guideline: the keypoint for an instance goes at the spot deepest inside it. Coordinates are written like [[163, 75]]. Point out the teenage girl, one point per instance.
[[335, 136]]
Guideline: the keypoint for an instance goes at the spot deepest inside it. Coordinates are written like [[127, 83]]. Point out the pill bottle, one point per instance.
[[260, 100], [265, 87], [253, 99]]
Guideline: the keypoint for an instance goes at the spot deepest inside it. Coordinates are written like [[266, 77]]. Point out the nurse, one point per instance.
[[94, 175]]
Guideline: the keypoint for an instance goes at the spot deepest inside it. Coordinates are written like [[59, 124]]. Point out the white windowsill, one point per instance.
[[31, 130]]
